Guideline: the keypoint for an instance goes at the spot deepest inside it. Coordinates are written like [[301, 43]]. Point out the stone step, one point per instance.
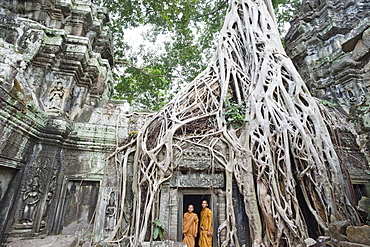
[[165, 243], [349, 244], [52, 241]]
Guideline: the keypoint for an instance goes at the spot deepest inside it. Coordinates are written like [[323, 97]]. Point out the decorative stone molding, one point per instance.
[[59, 53], [314, 43], [198, 180]]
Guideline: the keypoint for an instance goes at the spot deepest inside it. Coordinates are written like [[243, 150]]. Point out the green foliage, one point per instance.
[[146, 89], [132, 134], [187, 31], [183, 34], [328, 103], [285, 10], [158, 229], [234, 113]]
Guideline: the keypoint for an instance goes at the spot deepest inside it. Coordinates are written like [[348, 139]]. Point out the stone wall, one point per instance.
[[54, 175], [358, 47], [328, 42], [314, 43], [57, 127], [56, 55]]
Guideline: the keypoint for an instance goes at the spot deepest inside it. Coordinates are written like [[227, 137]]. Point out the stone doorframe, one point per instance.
[[99, 216], [217, 205]]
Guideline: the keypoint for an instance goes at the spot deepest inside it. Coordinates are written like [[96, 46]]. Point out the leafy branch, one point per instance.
[[158, 229], [234, 113], [142, 70], [210, 13]]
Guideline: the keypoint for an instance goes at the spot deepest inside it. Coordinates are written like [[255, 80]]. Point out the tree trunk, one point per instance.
[[281, 144]]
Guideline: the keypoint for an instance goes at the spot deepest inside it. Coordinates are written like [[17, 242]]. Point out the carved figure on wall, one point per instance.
[[31, 197], [56, 96], [110, 212], [49, 197]]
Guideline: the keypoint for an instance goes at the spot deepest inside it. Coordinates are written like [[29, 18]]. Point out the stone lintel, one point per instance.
[[198, 180], [11, 162]]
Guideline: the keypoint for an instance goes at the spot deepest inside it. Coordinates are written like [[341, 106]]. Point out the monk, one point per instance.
[[206, 231], [190, 227]]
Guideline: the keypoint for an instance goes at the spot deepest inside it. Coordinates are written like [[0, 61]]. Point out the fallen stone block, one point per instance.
[[309, 242], [358, 234], [338, 230], [49, 241], [349, 244], [165, 243]]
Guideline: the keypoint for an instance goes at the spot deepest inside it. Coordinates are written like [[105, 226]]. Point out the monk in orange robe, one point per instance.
[[190, 227], [206, 230]]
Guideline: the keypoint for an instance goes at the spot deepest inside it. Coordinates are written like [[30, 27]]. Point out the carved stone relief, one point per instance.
[[37, 192], [55, 67], [195, 158], [198, 180], [50, 48], [49, 197], [31, 198], [56, 97], [110, 213]]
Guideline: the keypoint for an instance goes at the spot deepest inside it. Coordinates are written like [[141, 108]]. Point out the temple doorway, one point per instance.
[[196, 200], [79, 207]]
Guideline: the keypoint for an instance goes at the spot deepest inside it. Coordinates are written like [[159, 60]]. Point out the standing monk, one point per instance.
[[190, 226], [206, 231]]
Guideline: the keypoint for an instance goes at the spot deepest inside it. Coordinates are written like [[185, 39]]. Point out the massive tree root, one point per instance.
[[280, 149]]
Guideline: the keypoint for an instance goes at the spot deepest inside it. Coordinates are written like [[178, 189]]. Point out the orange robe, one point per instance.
[[206, 222], [189, 228]]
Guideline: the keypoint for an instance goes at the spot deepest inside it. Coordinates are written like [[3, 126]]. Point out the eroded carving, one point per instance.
[[198, 180], [56, 97], [31, 198], [49, 196], [110, 213]]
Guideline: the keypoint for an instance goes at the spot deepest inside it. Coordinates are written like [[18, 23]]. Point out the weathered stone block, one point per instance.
[[198, 180], [349, 244], [338, 230], [364, 205], [359, 234], [66, 241], [366, 37], [361, 49], [166, 243], [309, 242], [319, 39]]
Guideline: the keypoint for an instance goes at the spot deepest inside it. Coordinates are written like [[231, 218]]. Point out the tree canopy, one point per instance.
[[189, 30]]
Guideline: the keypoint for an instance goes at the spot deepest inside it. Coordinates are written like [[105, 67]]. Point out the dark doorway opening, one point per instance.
[[314, 230], [79, 206], [241, 218], [196, 200]]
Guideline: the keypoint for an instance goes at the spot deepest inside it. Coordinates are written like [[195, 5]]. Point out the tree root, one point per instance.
[[283, 143]]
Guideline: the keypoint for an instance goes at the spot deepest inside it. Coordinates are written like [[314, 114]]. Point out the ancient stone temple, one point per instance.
[[59, 127], [329, 44], [320, 41], [56, 125]]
